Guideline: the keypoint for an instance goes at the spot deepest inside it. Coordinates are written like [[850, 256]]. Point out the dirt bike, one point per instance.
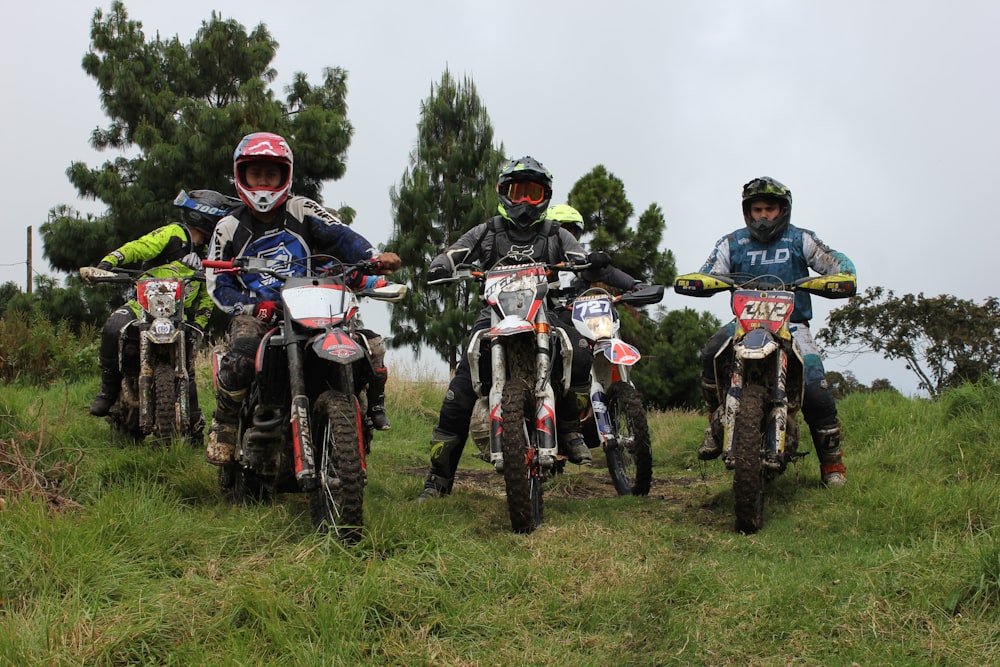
[[615, 418], [522, 345], [154, 396], [303, 425], [761, 379]]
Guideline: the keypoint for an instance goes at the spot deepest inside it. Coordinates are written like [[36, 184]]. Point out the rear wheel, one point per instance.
[[337, 501], [630, 458], [748, 473], [521, 470]]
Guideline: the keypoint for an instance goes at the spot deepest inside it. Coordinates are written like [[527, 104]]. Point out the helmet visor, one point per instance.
[[185, 201], [523, 191]]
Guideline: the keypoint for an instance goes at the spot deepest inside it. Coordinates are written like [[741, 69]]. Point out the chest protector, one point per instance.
[[503, 244]]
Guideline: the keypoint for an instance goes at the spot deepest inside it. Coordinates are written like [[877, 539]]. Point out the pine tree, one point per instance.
[[176, 113], [448, 188]]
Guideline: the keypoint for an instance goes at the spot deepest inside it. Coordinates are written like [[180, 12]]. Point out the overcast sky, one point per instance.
[[880, 116]]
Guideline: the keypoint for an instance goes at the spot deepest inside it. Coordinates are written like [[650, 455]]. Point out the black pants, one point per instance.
[[456, 409]]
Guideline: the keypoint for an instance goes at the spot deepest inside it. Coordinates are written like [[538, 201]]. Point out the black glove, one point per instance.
[[638, 285], [598, 260], [105, 266], [438, 272]]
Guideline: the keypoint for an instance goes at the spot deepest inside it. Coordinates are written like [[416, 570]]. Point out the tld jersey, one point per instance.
[[787, 258]]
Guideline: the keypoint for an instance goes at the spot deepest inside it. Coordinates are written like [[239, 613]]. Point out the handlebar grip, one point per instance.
[[217, 264]]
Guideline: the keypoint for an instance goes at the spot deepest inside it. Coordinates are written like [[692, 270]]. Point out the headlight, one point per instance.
[[516, 302], [162, 305], [603, 326]]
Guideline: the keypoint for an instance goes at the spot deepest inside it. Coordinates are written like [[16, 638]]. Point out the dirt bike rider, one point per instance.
[[571, 220], [174, 250], [272, 223], [525, 190], [770, 245]]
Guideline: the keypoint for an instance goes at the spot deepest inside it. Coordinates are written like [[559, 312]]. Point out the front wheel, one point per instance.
[[337, 501], [521, 468], [748, 472], [165, 402], [630, 456]]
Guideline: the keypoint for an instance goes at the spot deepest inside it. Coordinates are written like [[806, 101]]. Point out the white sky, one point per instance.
[[880, 116]]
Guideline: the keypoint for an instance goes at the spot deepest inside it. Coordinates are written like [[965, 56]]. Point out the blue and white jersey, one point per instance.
[[789, 258], [301, 228]]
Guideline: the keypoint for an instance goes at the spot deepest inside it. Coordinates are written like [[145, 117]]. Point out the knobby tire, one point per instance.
[[165, 424], [337, 502], [521, 475], [748, 474], [630, 462]]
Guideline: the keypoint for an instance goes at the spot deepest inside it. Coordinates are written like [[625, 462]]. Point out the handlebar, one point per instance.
[[836, 286]]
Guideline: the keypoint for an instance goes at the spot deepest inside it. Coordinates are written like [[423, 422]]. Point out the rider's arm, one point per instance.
[[822, 258], [145, 247], [225, 289], [719, 260], [471, 247], [330, 235]]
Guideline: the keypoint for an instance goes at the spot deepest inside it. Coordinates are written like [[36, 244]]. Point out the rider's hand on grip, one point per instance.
[[438, 272], [105, 266], [599, 260], [267, 311], [192, 261]]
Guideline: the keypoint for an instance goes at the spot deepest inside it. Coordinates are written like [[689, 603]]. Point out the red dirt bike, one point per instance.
[[615, 418], [522, 345], [761, 379], [303, 426], [154, 398]]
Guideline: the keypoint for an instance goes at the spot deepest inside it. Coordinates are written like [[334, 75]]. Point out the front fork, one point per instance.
[[302, 442], [775, 427], [603, 374], [545, 413], [147, 407]]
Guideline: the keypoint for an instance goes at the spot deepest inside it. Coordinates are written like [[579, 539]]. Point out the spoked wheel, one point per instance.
[[521, 470], [337, 502], [630, 458], [748, 474]]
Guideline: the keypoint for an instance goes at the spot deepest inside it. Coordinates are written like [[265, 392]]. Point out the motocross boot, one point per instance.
[[435, 487], [446, 450], [111, 386], [711, 445], [830, 453], [571, 440], [221, 446], [376, 400]]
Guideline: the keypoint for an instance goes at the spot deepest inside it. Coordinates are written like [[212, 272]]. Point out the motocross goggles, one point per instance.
[[523, 191]]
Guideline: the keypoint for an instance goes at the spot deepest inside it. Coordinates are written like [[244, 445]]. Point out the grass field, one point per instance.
[[126, 555]]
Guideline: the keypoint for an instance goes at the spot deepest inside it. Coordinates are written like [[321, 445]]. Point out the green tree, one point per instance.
[[176, 113], [669, 373], [944, 340], [600, 198], [447, 189]]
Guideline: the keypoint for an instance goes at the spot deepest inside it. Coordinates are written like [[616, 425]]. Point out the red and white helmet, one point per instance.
[[263, 147]]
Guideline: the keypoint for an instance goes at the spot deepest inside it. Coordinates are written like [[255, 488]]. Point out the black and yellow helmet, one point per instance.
[[568, 217], [765, 188], [525, 190]]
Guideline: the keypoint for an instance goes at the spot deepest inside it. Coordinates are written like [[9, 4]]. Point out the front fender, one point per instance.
[[337, 346], [617, 351], [756, 344]]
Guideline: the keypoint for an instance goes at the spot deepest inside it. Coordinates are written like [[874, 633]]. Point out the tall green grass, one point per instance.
[[900, 567]]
